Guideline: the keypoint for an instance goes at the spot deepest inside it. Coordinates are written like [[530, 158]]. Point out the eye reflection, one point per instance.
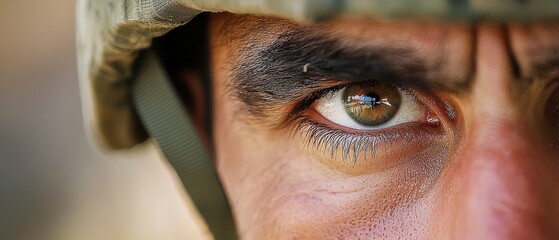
[[374, 105]]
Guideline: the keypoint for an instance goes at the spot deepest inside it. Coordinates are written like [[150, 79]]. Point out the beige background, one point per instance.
[[53, 184]]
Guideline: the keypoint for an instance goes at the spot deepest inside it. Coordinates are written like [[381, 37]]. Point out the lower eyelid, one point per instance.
[[371, 151]]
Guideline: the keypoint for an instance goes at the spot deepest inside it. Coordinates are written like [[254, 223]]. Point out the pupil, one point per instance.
[[373, 98]]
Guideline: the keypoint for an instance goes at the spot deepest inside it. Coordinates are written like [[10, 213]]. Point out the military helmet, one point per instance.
[[127, 97]]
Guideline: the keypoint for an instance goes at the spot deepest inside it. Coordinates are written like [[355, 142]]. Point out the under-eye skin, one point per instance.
[[393, 124]]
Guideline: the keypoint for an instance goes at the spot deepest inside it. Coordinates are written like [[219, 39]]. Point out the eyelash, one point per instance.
[[352, 144]]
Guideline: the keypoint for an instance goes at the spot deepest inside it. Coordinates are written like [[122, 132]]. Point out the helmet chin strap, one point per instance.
[[165, 119]]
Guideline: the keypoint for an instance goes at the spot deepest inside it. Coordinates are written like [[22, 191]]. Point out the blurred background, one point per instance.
[[53, 183]]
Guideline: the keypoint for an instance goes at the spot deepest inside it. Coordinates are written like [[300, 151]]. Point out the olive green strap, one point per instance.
[[166, 120]]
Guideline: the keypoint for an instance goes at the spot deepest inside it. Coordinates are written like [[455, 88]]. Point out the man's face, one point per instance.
[[360, 129]]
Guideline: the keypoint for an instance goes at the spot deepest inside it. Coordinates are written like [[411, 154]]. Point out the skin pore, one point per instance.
[[472, 157]]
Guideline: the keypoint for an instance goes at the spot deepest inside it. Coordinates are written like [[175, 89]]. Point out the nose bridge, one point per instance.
[[500, 197]]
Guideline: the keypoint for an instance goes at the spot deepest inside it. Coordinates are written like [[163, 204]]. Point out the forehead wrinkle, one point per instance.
[[241, 30]]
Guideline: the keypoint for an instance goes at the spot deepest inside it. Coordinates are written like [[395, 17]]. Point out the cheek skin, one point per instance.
[[281, 192]]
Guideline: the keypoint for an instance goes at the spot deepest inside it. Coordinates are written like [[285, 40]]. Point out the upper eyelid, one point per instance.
[[317, 94]]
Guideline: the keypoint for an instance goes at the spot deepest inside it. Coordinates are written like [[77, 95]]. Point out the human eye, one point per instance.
[[375, 124], [372, 106]]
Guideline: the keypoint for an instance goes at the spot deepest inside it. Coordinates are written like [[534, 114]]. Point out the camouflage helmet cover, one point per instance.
[[111, 33]]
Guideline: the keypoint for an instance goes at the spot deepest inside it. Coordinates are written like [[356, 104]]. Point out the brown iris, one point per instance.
[[372, 104]]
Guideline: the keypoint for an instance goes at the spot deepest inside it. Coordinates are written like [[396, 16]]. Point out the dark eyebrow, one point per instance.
[[269, 78], [543, 67], [546, 65]]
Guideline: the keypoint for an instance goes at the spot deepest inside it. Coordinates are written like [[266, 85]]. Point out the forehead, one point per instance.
[[425, 36]]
